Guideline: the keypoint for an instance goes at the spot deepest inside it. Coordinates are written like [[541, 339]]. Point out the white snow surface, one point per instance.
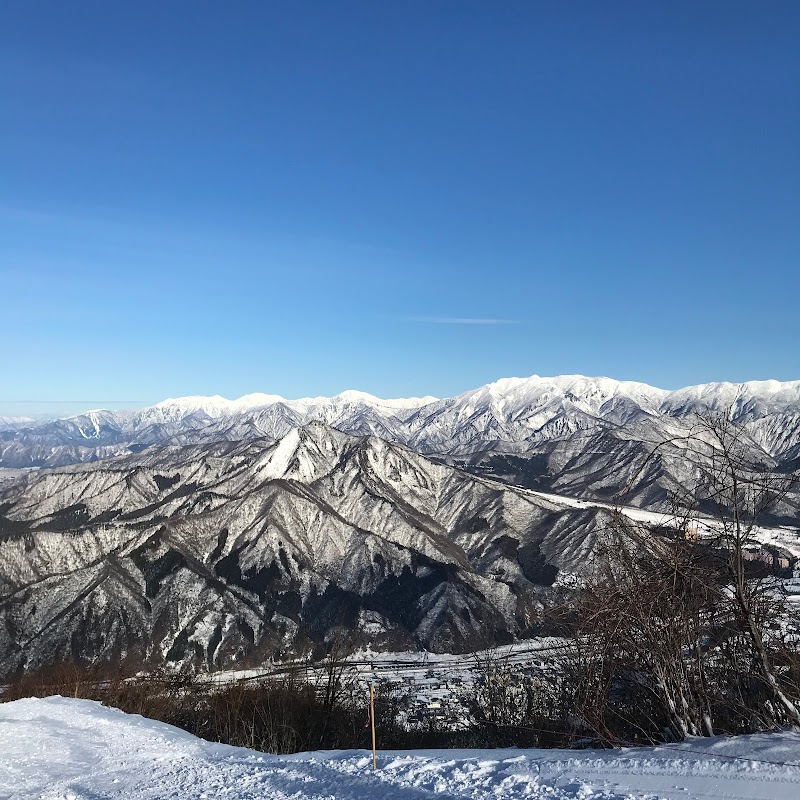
[[67, 749], [786, 538]]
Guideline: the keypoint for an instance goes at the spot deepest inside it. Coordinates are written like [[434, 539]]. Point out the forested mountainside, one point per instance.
[[233, 550]]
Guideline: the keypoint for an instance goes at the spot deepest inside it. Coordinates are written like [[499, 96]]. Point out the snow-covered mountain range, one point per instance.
[[229, 551], [505, 416], [587, 437], [223, 530]]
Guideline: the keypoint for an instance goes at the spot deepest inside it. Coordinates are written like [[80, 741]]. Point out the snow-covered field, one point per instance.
[[66, 749], [423, 685], [787, 538]]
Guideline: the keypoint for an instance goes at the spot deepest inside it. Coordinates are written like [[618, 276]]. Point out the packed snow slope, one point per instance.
[[227, 553], [60, 748]]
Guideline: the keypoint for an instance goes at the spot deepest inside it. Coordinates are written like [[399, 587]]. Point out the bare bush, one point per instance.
[[680, 637]]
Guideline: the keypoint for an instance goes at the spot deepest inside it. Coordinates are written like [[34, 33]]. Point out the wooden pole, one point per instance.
[[372, 721]]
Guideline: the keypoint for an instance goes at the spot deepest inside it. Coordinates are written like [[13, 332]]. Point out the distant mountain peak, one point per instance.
[[509, 415]]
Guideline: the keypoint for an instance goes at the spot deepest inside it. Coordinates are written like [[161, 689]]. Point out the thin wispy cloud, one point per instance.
[[464, 320]]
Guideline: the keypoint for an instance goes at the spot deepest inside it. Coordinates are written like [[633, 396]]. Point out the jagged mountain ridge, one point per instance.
[[588, 437], [505, 415], [225, 552]]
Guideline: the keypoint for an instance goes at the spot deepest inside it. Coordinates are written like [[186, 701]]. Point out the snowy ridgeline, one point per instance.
[[508, 416], [60, 748]]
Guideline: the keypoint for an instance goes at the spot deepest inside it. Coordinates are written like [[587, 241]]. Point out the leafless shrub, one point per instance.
[[680, 637]]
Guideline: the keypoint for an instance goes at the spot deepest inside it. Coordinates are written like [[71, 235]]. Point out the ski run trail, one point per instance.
[[67, 749]]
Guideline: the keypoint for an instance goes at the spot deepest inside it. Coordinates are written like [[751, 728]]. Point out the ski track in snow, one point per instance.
[[66, 749]]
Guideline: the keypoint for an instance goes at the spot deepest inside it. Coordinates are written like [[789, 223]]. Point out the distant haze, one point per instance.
[[49, 409]]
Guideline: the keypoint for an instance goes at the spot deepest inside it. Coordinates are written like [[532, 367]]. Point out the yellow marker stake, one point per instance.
[[372, 720]]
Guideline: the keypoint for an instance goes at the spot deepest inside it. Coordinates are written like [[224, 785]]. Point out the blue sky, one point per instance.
[[405, 198]]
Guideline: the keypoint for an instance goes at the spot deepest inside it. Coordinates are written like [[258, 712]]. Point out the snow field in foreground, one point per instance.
[[66, 749]]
